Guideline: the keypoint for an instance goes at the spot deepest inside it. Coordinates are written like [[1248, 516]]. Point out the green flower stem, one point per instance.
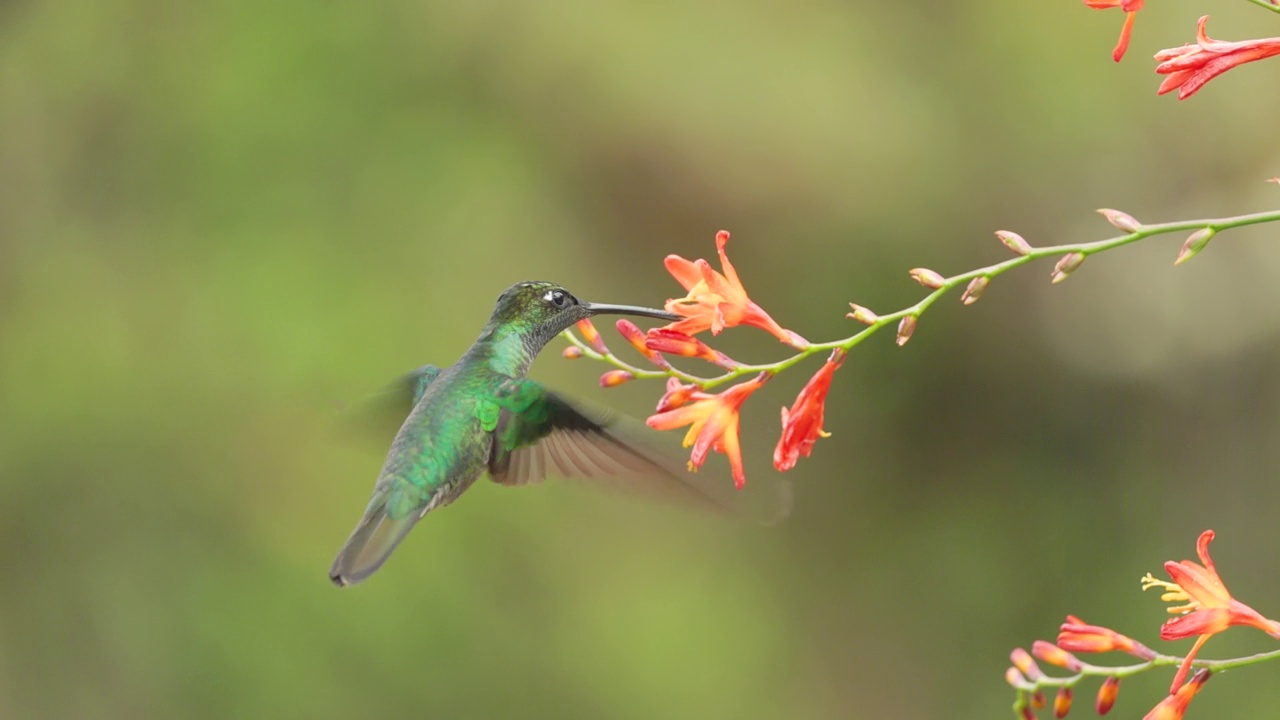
[[948, 284], [1045, 682], [1266, 4]]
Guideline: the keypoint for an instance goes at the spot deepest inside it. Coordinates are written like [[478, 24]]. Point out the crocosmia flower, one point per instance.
[[1191, 66], [713, 424], [716, 300], [1174, 706], [1207, 607], [1130, 8], [1076, 635], [673, 342], [802, 424]]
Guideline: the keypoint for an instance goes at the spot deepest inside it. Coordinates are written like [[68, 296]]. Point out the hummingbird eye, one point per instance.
[[559, 298]]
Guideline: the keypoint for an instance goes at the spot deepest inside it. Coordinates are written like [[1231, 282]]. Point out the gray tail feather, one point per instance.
[[369, 545]]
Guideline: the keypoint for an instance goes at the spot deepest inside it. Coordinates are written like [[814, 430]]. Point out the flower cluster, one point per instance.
[[715, 300], [1189, 67], [1205, 608]]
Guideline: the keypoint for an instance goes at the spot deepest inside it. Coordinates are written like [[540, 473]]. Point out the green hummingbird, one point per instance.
[[482, 413]]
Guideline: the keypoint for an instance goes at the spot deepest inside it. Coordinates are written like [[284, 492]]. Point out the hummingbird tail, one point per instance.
[[369, 545]]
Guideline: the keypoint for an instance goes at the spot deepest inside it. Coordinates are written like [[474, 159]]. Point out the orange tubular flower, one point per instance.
[[713, 424], [717, 301], [1077, 636], [1191, 66], [1131, 8], [673, 342], [1174, 707], [1209, 608], [802, 424]]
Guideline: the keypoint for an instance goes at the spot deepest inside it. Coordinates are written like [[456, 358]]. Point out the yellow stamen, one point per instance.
[[1174, 593]]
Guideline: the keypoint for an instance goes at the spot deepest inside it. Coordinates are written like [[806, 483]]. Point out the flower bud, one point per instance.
[[1107, 695], [1066, 266], [1014, 242], [590, 334], [1037, 700], [573, 352], [677, 395], [1014, 678], [1121, 220], [1062, 703], [636, 337], [1022, 660], [977, 286], [862, 315], [614, 378], [673, 342], [1055, 655], [927, 278], [1027, 713], [905, 329], [1194, 244]]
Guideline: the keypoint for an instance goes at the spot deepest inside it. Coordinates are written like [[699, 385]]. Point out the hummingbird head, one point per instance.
[[541, 310]]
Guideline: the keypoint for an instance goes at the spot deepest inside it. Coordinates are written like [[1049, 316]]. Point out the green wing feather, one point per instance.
[[540, 434]]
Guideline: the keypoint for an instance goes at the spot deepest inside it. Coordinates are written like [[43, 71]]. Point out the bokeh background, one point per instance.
[[221, 221]]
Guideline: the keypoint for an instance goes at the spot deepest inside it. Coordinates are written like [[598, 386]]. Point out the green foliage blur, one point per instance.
[[223, 222]]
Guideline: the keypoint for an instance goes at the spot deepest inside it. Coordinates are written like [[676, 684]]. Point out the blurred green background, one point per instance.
[[220, 221]]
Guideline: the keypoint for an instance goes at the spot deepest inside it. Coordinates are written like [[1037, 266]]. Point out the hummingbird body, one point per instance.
[[482, 414]]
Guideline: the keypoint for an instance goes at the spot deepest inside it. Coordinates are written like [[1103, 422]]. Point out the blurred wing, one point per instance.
[[554, 438], [384, 412]]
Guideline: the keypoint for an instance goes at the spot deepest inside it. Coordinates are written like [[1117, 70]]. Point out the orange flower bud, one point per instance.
[[927, 278], [1055, 655], [905, 329], [1121, 220], [573, 352], [1078, 636], [862, 315], [1066, 266], [1014, 242], [1037, 700], [614, 378], [1062, 703], [590, 334], [636, 337], [977, 286], [1194, 244], [1107, 695], [1022, 660], [1174, 706]]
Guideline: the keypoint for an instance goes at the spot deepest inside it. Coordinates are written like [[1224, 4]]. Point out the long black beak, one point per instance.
[[600, 309]]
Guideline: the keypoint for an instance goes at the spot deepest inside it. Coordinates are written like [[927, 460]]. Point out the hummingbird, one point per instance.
[[483, 414]]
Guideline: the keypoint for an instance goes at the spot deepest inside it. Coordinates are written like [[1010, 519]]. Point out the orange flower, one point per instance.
[[713, 424], [802, 424], [1209, 608], [674, 342], [1174, 706], [1077, 636], [1191, 66], [1131, 8], [717, 301]]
